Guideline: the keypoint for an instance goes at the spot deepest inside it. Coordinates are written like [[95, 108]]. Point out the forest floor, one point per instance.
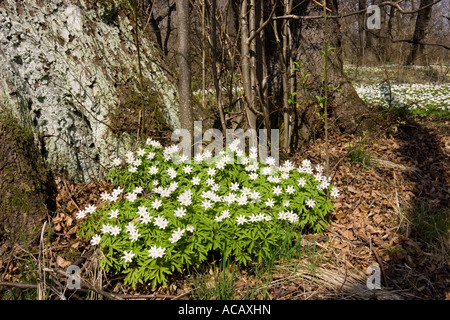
[[393, 213]]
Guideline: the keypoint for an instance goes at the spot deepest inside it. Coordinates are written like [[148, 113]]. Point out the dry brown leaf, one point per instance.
[[62, 263]]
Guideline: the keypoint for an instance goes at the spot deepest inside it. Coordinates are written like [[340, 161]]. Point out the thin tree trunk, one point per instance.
[[184, 81], [245, 66], [422, 21], [285, 79], [362, 4], [214, 67]]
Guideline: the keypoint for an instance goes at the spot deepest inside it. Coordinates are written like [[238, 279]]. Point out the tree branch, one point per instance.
[[340, 16]]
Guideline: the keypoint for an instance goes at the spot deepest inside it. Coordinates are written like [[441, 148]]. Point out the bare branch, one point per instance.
[[395, 4]]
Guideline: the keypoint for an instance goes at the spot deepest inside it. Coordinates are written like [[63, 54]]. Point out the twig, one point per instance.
[[41, 285], [19, 285], [87, 285]]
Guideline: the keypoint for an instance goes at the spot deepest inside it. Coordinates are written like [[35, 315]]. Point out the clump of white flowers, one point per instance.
[[165, 214]]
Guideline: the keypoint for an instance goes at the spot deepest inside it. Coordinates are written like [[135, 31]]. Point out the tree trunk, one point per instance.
[[362, 4], [422, 21], [348, 111], [245, 66], [184, 81]]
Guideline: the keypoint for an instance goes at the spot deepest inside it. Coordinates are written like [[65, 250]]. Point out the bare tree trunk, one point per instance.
[[348, 112], [422, 21], [285, 78], [245, 66], [362, 4], [184, 81], [214, 66]]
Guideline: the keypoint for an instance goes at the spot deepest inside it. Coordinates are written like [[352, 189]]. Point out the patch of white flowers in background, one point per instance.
[[419, 98], [163, 208]]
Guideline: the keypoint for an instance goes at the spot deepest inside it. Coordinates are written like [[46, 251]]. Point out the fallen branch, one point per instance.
[[19, 285]]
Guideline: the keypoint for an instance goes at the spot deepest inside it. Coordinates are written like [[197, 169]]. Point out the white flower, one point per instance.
[[138, 190], [198, 158], [285, 203], [334, 192], [134, 235], [184, 158], [234, 186], [220, 164], [282, 215], [246, 191], [277, 190], [117, 191], [253, 176], [128, 256], [210, 182], [104, 196], [151, 155], [285, 175], [137, 162], [225, 214], [114, 214], [185, 198], [180, 212], [171, 172], [290, 189], [207, 154], [142, 210], [96, 240], [253, 218], [269, 203], [187, 169], [173, 186], [106, 228], [215, 187], [146, 218], [130, 157], [130, 227], [132, 169], [115, 230], [211, 171], [319, 168], [242, 200], [190, 228], [195, 181], [90, 208], [156, 204], [310, 203], [81, 214], [306, 163], [140, 152], [132, 197], [270, 161], [241, 220], [153, 170], [266, 171], [165, 193], [230, 198], [255, 196], [291, 217], [218, 218], [267, 218], [302, 182], [117, 162], [156, 252], [206, 204], [161, 222]]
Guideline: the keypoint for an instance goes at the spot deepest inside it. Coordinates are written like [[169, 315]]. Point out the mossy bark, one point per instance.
[[24, 183]]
